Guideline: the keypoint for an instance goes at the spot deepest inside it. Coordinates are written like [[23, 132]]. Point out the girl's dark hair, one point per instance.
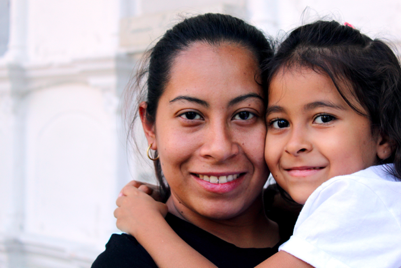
[[367, 68], [213, 29]]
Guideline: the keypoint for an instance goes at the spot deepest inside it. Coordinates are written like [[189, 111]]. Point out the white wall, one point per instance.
[[63, 66], [160, 6], [66, 29], [62, 161], [375, 18], [70, 155], [62, 157]]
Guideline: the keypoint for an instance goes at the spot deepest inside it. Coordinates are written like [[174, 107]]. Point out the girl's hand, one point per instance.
[[147, 188], [137, 209]]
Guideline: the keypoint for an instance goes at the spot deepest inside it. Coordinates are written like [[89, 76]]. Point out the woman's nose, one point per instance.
[[219, 144], [298, 143]]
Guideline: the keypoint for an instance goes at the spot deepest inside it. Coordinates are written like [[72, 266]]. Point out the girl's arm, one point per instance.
[[141, 216], [283, 259]]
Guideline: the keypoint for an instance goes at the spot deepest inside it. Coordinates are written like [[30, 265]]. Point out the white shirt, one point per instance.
[[351, 221]]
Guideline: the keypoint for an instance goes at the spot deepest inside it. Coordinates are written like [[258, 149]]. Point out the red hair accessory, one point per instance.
[[348, 24]]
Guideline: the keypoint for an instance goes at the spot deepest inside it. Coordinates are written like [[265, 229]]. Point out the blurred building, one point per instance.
[[63, 67]]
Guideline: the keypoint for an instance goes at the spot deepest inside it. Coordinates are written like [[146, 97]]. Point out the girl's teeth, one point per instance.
[[221, 179]]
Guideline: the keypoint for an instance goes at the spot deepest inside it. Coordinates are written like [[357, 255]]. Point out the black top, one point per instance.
[[123, 251]]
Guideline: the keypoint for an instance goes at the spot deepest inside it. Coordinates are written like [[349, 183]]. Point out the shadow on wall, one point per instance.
[[4, 25]]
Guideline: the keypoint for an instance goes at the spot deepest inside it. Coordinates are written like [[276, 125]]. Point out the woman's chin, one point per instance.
[[222, 211]]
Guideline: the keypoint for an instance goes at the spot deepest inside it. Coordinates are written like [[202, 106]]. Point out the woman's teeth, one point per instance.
[[220, 179]]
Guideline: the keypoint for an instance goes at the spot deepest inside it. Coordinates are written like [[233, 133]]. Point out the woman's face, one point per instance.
[[210, 130]]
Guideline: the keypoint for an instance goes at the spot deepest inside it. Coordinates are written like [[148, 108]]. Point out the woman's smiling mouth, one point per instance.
[[220, 184], [219, 179]]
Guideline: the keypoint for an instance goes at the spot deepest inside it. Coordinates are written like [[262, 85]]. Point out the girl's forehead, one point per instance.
[[313, 82], [300, 80]]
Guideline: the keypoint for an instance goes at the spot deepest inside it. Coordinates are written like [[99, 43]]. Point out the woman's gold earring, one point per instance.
[[147, 153]]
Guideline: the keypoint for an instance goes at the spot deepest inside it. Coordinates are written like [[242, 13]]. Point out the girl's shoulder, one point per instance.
[[348, 216], [372, 174], [372, 181], [370, 191]]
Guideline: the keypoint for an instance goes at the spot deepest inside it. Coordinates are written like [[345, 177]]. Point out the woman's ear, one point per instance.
[[148, 127], [384, 147]]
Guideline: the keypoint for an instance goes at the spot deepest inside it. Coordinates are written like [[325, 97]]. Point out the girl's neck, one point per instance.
[[250, 229]]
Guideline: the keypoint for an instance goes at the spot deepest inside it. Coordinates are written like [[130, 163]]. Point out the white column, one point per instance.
[[11, 166], [4, 25], [17, 42]]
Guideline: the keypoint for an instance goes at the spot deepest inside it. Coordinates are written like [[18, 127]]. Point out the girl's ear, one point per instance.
[[384, 147], [148, 127]]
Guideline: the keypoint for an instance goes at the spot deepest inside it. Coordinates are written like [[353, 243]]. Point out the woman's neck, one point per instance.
[[250, 229]]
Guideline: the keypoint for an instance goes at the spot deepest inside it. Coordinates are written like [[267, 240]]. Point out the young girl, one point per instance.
[[333, 144]]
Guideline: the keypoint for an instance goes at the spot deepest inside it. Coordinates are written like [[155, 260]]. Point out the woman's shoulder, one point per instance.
[[123, 250], [118, 241]]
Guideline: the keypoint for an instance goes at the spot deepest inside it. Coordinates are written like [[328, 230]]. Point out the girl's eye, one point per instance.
[[244, 115], [323, 119], [279, 123], [191, 116]]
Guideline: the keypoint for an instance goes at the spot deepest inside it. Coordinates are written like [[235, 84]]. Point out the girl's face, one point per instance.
[[313, 134], [210, 130]]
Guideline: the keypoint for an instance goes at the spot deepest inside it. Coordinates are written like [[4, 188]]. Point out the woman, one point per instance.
[[204, 118]]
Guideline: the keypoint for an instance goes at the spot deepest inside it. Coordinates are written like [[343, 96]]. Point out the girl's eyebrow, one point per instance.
[[204, 103], [318, 104], [274, 109], [307, 107]]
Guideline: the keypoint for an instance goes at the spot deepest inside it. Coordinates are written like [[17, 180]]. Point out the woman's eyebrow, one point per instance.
[[190, 99], [244, 97], [204, 103]]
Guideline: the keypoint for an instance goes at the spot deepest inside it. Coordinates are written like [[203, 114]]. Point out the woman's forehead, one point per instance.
[[207, 71]]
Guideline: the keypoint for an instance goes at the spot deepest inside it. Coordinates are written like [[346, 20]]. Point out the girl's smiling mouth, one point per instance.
[[303, 171]]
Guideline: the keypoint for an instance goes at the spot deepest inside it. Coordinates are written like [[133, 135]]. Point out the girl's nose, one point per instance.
[[298, 143], [218, 143]]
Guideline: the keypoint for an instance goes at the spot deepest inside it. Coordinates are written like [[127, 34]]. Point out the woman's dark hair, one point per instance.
[[213, 29], [367, 68]]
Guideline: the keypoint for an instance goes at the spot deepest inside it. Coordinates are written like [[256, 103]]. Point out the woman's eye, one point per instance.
[[191, 116], [323, 119], [244, 115], [279, 123]]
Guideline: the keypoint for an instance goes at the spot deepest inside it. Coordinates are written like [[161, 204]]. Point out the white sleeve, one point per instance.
[[344, 223]]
